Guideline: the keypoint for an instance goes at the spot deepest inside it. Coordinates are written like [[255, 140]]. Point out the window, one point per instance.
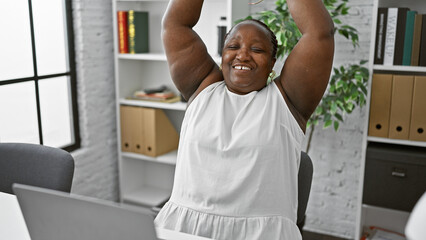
[[37, 74]]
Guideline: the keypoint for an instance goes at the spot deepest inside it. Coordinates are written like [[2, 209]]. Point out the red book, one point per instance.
[[123, 45]]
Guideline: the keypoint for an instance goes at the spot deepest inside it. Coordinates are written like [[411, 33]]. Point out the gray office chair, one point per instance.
[[306, 170], [35, 165]]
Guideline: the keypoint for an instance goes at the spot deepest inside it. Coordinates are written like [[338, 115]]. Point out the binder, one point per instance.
[[400, 114], [418, 112], [126, 129], [159, 133], [138, 131], [381, 89]]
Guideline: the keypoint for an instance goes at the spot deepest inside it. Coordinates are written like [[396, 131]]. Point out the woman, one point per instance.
[[240, 143]]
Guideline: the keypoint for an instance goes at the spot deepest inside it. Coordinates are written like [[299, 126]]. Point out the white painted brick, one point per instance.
[[96, 162]]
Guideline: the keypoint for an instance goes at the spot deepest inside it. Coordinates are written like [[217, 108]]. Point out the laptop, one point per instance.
[[55, 215]]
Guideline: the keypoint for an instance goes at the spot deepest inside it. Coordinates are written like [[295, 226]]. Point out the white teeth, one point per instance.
[[242, 68]]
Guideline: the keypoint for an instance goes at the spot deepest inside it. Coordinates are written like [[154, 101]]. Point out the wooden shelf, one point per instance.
[[168, 158], [147, 196], [396, 141], [180, 106]]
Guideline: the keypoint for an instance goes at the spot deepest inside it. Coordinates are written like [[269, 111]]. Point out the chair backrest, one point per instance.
[[35, 165], [306, 170]]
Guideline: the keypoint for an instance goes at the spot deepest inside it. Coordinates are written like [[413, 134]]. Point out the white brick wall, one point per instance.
[[96, 162], [337, 155]]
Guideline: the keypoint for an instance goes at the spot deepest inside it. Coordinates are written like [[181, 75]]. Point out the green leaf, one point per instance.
[[279, 37], [344, 33], [327, 117], [361, 100], [336, 125], [350, 106], [339, 117], [308, 124], [363, 89], [328, 123], [333, 108], [346, 98], [337, 21]]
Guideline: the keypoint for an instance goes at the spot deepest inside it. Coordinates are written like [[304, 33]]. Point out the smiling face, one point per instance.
[[247, 58]]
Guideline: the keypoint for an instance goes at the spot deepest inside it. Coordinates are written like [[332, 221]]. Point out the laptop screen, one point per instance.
[[55, 215]]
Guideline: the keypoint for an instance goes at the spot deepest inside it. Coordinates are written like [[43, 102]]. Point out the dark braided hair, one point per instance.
[[271, 34]]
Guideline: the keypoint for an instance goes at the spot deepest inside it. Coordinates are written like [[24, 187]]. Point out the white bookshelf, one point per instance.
[[396, 141], [368, 215], [168, 158], [412, 69], [143, 180], [144, 56], [384, 218]]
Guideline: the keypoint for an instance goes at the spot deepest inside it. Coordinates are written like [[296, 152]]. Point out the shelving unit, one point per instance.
[[143, 180], [369, 215]]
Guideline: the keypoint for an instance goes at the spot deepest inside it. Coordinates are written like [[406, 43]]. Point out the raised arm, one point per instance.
[[306, 71], [187, 56]]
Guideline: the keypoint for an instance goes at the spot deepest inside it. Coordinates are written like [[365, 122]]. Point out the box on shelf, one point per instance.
[[400, 114], [395, 176], [398, 107], [418, 110], [381, 91], [147, 131]]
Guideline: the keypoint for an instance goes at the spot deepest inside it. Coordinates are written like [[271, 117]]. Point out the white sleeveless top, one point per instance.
[[237, 167]]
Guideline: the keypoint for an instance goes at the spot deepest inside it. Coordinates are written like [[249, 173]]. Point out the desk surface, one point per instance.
[[12, 223]]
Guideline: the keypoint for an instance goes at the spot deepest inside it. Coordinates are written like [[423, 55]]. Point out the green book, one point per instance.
[[138, 32], [408, 39]]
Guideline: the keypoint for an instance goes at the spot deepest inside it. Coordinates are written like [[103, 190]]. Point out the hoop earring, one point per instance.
[[271, 77]]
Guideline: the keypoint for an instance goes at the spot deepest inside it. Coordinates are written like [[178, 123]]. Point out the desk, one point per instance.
[[12, 223]]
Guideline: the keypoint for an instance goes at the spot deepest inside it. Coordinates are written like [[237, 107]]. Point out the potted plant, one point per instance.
[[348, 83]]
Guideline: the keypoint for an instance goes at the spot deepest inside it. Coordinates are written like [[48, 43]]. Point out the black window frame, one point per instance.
[[72, 74]]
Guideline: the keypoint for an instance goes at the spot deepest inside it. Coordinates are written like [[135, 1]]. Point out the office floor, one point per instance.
[[316, 236]]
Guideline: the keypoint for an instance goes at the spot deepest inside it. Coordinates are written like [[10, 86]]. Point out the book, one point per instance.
[[400, 36], [377, 233], [408, 38], [159, 95], [415, 52], [380, 35], [138, 32], [389, 50], [422, 59], [123, 46]]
